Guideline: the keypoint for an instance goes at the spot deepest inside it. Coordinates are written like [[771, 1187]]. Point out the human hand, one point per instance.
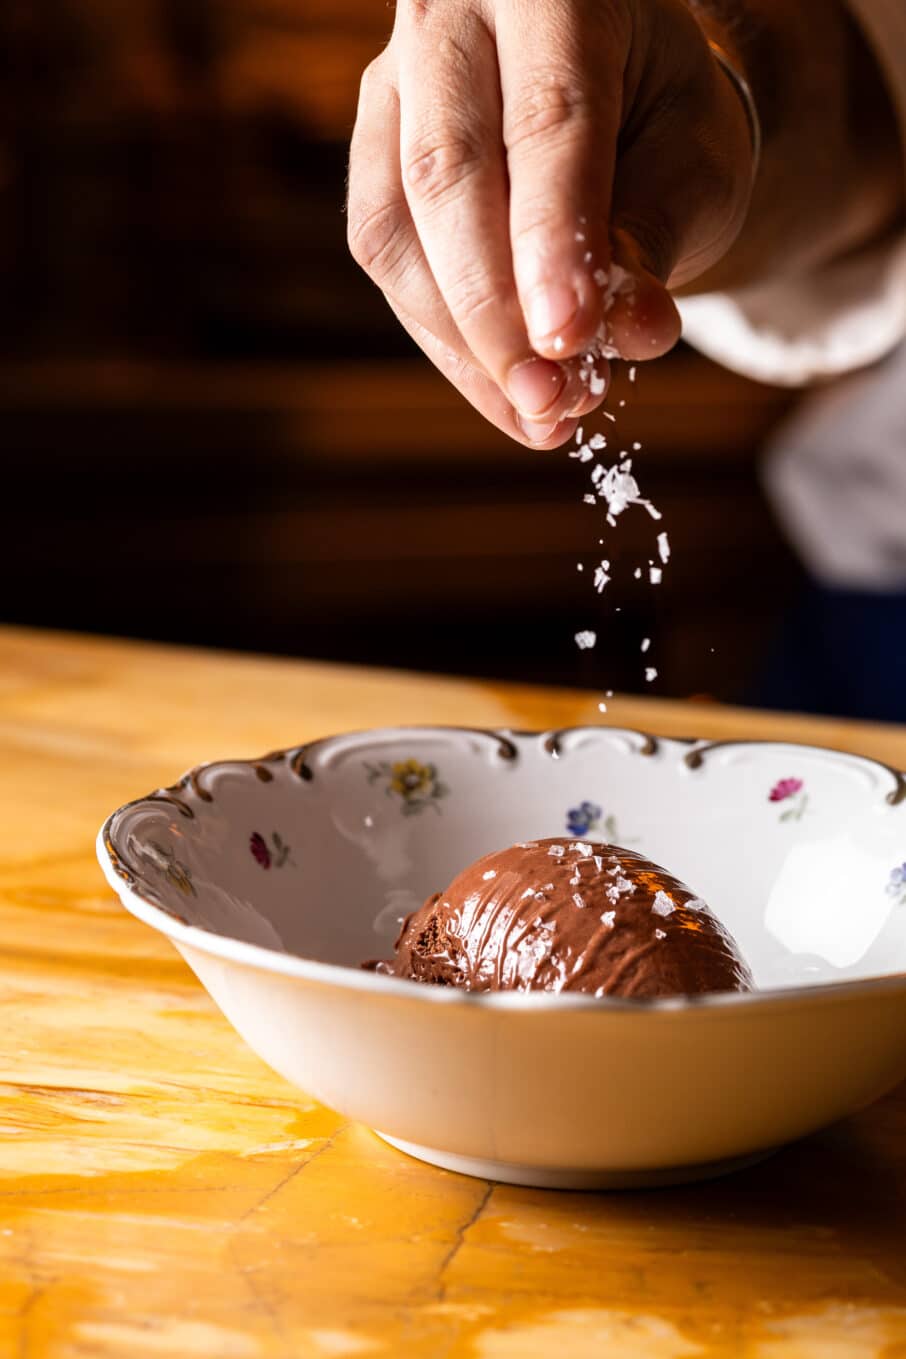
[[507, 154]]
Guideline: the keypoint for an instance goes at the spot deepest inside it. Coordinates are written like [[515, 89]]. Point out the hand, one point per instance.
[[507, 154]]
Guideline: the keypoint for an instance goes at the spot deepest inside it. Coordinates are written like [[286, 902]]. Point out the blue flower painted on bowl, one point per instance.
[[584, 818], [896, 884]]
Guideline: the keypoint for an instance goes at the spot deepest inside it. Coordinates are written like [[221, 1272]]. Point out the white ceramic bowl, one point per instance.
[[276, 878]]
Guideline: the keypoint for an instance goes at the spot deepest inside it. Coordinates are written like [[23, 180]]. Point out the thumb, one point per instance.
[[643, 321]]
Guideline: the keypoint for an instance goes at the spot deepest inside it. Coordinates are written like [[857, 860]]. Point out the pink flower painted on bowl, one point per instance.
[[792, 791], [267, 856]]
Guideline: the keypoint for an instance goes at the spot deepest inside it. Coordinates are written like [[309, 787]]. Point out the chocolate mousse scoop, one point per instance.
[[568, 915]]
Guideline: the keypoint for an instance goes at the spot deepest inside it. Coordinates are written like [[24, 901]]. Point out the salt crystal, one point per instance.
[[663, 547], [637, 446], [597, 442], [579, 566], [646, 643], [638, 573], [580, 901], [655, 575], [586, 640], [650, 674], [596, 386], [590, 500], [587, 257], [601, 577], [607, 416], [600, 277], [655, 514], [557, 851], [621, 403], [581, 847], [608, 693], [491, 873], [632, 373], [608, 918], [580, 439], [660, 934], [663, 904], [602, 707], [580, 235]]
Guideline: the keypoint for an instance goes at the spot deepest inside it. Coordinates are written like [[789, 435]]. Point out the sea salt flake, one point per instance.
[[602, 707], [590, 499], [646, 643], [600, 277], [608, 918], [491, 873], [650, 674], [663, 547], [637, 446], [597, 442], [582, 848], [696, 904], [596, 385], [632, 373], [601, 576], [579, 900], [586, 640], [557, 851], [579, 566], [580, 435], [655, 575], [660, 934], [608, 416], [638, 573], [663, 904]]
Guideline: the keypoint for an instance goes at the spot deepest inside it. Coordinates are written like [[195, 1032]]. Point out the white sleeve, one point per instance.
[[841, 317]]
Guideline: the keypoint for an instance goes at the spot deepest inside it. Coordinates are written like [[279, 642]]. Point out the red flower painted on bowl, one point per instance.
[[260, 852], [785, 788]]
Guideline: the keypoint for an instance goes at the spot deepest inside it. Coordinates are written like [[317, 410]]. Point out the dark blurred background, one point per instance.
[[215, 432]]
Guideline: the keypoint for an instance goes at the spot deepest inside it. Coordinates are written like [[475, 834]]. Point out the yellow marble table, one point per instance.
[[162, 1193]]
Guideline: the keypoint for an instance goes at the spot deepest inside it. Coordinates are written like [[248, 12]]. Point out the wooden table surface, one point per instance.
[[162, 1193]]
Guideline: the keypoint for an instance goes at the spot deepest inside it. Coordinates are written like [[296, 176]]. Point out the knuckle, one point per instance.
[[545, 109], [375, 237], [437, 164]]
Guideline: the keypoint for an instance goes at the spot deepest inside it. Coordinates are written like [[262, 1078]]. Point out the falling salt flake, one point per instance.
[[491, 873], [583, 374], [608, 416], [586, 640], [646, 643], [638, 573], [608, 693], [655, 514], [580, 235], [602, 707], [655, 575], [601, 576], [637, 447], [590, 499], [660, 934], [587, 257], [575, 879], [663, 904], [557, 851], [608, 918], [597, 442], [663, 547], [580, 435], [632, 373], [579, 900], [621, 402], [600, 277], [596, 386], [611, 521], [579, 566], [620, 489], [650, 674], [368, 821], [582, 848]]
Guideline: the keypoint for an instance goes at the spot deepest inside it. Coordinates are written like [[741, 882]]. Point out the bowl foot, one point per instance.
[[546, 1177]]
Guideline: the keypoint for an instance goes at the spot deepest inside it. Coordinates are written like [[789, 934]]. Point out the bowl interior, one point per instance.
[[321, 851]]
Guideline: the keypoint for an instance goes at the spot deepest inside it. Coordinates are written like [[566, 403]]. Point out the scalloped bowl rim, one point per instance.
[[266, 959]]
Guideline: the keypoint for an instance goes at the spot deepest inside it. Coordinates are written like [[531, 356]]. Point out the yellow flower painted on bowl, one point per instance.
[[415, 784]]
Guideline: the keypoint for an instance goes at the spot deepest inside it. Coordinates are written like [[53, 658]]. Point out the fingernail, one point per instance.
[[550, 309], [535, 385], [537, 431]]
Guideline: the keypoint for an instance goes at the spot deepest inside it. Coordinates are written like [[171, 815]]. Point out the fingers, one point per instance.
[[561, 78], [455, 182], [383, 240]]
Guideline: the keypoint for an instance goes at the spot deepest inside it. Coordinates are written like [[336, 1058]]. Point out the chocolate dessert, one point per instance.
[[569, 915]]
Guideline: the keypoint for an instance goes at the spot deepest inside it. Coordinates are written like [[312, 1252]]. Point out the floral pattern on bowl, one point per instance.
[[793, 791], [417, 785], [588, 817], [896, 884], [273, 855]]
